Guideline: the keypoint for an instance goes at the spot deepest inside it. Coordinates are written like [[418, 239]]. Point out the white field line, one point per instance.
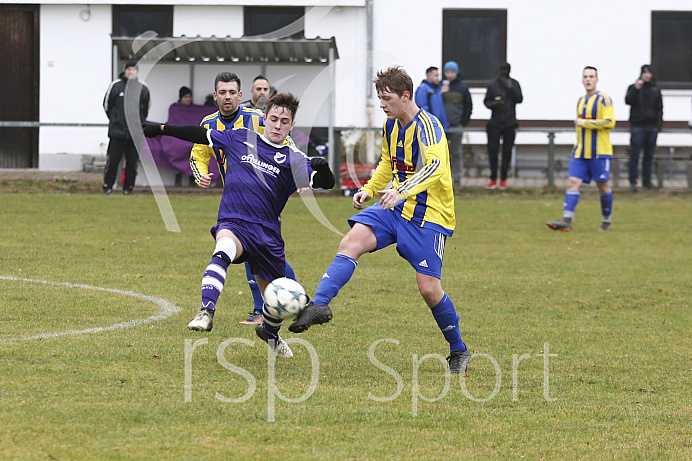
[[168, 309]]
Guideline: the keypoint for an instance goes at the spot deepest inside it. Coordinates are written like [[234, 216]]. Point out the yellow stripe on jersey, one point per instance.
[[416, 159], [593, 137]]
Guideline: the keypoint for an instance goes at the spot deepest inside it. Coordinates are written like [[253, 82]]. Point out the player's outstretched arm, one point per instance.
[[191, 133], [323, 178]]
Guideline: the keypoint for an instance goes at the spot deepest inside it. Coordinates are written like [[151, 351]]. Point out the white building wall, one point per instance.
[[549, 42]]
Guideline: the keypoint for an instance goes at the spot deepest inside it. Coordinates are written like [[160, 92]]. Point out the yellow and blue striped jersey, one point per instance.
[[416, 159], [593, 137], [201, 155]]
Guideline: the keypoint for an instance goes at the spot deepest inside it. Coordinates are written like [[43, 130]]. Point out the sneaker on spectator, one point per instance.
[[503, 185], [491, 185]]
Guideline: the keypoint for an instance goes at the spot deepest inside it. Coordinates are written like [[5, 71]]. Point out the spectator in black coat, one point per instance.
[[646, 119], [114, 103], [502, 96]]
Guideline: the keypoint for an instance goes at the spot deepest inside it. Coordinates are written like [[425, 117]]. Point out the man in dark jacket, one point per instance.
[[503, 94], [458, 107], [646, 118], [120, 139]]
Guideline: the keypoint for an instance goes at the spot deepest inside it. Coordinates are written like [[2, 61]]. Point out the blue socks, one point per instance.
[[570, 204], [337, 275], [447, 319], [607, 205]]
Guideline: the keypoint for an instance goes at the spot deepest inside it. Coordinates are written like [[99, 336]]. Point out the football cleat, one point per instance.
[[458, 361], [605, 227], [278, 345], [560, 225], [203, 321], [313, 314], [255, 318]]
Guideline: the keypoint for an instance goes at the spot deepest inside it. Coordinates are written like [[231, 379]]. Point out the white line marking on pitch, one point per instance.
[[168, 309]]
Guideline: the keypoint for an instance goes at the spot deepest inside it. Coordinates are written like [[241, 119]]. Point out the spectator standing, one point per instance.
[[260, 94], [646, 118], [429, 97], [501, 97], [458, 107], [120, 138], [592, 153]]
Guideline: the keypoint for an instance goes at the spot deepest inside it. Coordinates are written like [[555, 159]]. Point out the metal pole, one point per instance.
[[332, 153], [551, 159]]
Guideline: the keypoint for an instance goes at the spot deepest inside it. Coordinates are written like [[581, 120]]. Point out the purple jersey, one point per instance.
[[260, 176]]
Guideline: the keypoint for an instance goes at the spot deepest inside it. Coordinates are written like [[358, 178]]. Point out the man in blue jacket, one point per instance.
[[429, 97]]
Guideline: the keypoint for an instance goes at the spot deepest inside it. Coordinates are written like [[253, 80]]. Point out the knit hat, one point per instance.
[[451, 65], [646, 68], [183, 92], [129, 64]]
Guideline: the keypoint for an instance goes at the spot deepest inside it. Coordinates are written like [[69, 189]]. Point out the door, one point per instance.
[[19, 59]]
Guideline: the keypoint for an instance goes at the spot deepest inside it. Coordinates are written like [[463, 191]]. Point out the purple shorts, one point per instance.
[[263, 248]]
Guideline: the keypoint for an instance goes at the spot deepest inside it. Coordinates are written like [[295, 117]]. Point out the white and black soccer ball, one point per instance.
[[285, 298]]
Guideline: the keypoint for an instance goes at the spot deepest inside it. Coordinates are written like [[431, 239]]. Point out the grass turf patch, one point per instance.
[[613, 309]]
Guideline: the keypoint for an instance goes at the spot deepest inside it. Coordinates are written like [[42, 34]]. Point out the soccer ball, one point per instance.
[[285, 298]]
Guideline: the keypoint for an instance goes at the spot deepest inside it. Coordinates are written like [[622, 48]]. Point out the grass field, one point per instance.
[[583, 340]]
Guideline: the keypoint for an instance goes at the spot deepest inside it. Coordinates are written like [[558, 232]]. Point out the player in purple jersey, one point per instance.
[[265, 173]]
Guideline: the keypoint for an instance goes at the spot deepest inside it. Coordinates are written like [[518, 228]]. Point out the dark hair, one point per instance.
[[505, 67], [590, 67], [430, 69], [286, 100], [183, 91], [260, 77], [226, 77], [394, 79]]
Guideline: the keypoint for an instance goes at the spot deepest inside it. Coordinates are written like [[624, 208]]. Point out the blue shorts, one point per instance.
[[587, 169], [263, 248], [423, 248]]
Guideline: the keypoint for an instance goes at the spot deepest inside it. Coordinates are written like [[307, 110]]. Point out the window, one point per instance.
[[275, 22], [477, 40], [671, 48], [131, 20]]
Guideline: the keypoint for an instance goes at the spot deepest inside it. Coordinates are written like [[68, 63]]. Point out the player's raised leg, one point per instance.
[[360, 239]]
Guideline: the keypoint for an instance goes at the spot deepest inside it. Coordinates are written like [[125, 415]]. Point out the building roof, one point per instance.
[[220, 49]]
